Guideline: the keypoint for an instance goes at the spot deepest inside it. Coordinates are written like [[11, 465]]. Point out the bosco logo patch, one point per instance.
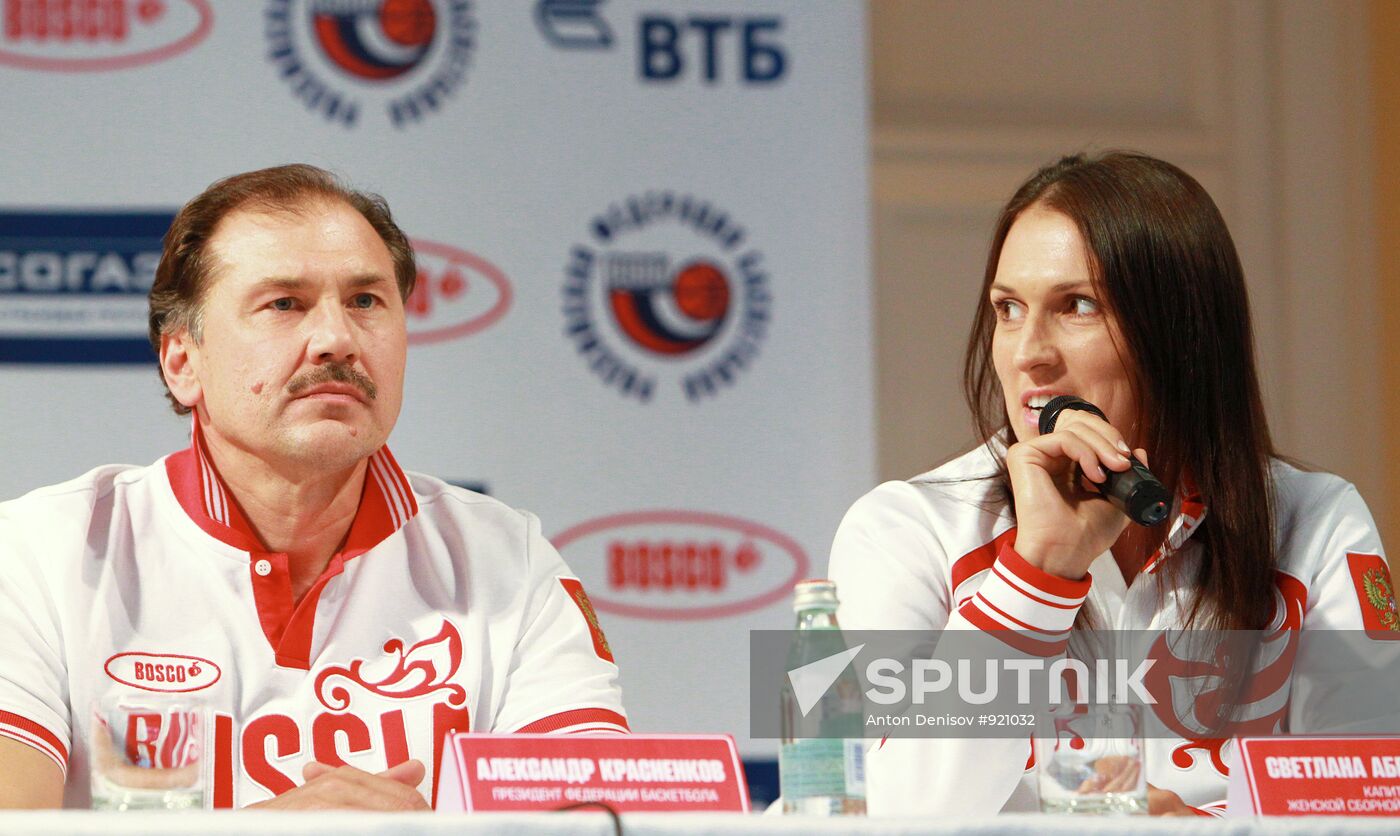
[[457, 294], [667, 290], [169, 672], [403, 59], [73, 285], [682, 565], [99, 35]]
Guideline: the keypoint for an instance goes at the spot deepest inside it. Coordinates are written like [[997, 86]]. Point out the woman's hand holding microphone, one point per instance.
[[1063, 522]]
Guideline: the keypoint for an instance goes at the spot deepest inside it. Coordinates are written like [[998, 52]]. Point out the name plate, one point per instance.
[[630, 773], [1315, 776]]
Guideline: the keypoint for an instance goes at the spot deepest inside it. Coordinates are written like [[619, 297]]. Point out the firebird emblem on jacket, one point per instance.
[[1214, 686], [425, 668]]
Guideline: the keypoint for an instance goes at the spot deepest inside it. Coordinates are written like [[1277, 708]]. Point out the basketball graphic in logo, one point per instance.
[[667, 290], [664, 312], [375, 41]]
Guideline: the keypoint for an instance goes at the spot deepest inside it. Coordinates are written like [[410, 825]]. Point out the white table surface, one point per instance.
[[655, 824]]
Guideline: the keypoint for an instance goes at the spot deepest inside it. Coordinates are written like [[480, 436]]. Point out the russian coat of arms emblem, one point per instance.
[[1381, 596]]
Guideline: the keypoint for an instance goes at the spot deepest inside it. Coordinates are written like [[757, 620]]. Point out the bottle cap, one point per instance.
[[814, 593]]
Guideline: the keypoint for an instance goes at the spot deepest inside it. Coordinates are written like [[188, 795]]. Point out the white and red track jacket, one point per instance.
[[444, 610], [937, 552]]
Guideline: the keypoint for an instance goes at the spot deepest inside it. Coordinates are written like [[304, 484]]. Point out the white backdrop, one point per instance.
[[698, 197]]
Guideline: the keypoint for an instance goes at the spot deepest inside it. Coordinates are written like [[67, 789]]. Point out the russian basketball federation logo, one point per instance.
[[343, 58], [666, 291]]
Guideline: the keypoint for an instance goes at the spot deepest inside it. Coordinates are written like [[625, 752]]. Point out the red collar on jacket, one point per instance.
[[386, 505], [1191, 512]]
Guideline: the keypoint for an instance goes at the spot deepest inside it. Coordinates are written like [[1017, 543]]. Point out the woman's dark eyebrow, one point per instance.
[[1062, 287]]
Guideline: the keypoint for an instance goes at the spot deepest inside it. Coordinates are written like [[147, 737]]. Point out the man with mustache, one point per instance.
[[353, 613]]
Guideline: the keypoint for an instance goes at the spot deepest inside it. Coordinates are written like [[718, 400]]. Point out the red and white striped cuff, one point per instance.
[[1026, 607], [578, 721], [25, 730]]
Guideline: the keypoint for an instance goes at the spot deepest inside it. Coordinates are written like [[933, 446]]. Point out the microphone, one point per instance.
[[1135, 492]]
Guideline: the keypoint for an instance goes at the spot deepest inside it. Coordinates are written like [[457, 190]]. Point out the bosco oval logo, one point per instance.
[[681, 565], [99, 35], [171, 672], [457, 294]]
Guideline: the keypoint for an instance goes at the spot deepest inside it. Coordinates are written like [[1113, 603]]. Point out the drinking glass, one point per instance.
[[148, 752], [1090, 760]]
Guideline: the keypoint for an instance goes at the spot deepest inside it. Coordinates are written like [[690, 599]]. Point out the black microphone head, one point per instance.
[[1136, 491], [1050, 413]]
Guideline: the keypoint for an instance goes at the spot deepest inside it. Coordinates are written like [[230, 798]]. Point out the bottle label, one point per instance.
[[855, 768], [822, 767]]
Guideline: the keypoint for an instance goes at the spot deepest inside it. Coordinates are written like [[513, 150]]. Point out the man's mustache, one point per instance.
[[333, 373]]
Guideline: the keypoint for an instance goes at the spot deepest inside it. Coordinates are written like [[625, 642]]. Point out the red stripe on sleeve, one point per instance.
[[25, 724], [1040, 579], [1036, 598], [979, 559], [573, 718], [1020, 641], [1031, 628]]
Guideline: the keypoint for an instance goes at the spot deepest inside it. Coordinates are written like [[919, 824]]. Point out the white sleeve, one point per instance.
[[33, 679], [562, 678], [893, 572], [888, 564], [1348, 667]]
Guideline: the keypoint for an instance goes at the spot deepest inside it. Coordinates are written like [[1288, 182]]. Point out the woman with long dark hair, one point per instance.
[[1112, 279]]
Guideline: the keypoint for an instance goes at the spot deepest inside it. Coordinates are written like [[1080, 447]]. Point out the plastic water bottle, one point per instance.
[[821, 762]]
